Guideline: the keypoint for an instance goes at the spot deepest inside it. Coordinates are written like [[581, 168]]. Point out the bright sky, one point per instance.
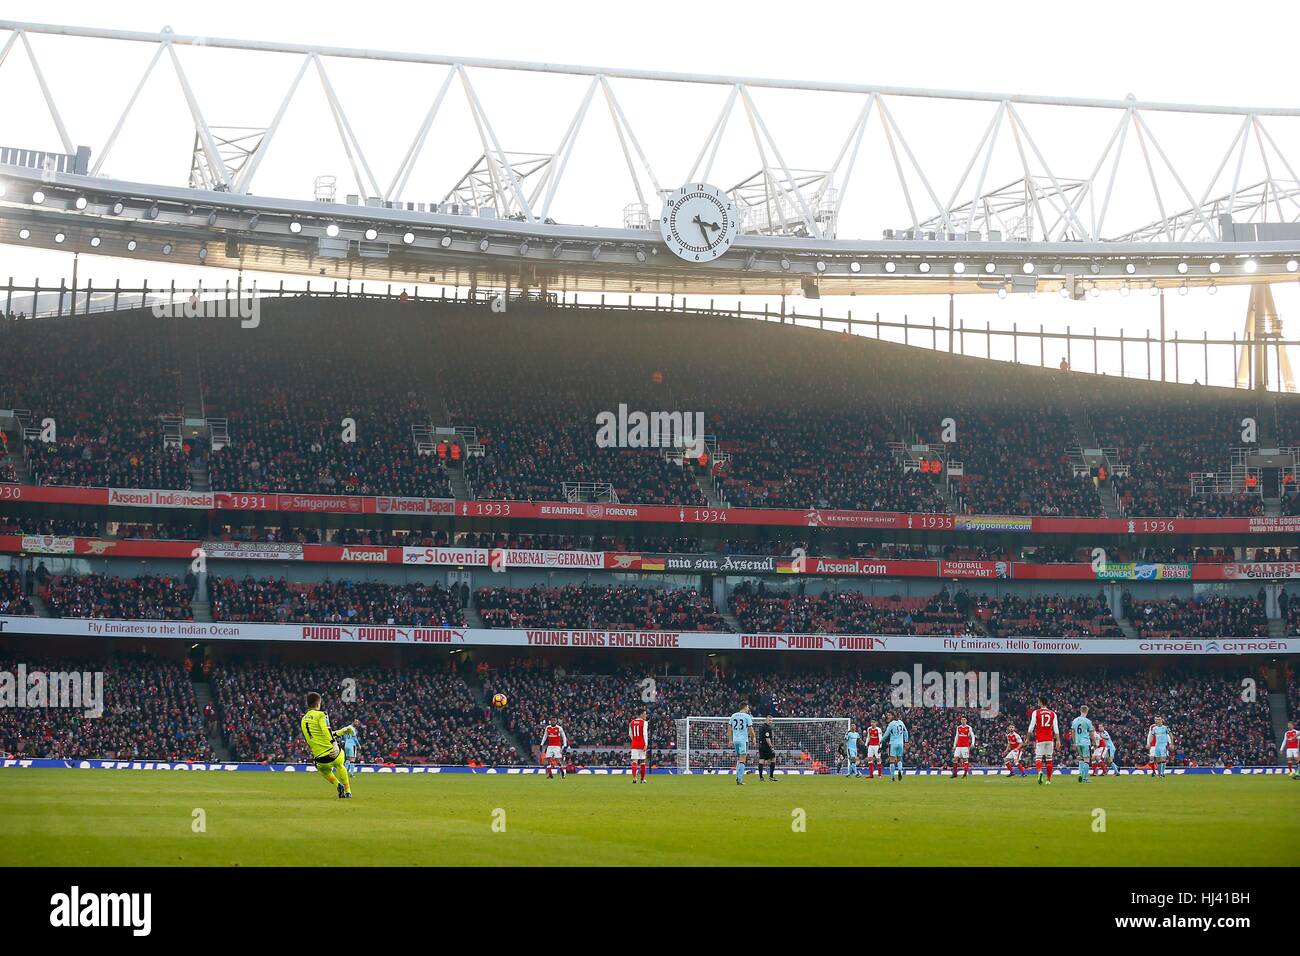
[[1192, 52]]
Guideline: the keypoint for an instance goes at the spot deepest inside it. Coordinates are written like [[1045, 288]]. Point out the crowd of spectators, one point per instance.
[[848, 612], [1048, 616], [148, 597], [277, 600], [13, 597], [105, 384], [322, 397], [1201, 616], [420, 713], [613, 607], [150, 711]]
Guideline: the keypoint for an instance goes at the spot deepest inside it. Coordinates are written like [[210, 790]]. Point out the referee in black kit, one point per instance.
[[767, 749]]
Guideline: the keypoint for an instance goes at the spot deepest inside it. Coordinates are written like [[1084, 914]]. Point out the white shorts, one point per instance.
[[554, 752], [1100, 754], [638, 754], [1293, 754], [961, 753], [873, 751], [1044, 748], [1152, 752], [1013, 756]]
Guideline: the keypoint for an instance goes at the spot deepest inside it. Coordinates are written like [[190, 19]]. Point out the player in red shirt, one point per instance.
[[873, 748], [638, 732], [1045, 731], [1015, 745], [1291, 749], [554, 740], [963, 740]]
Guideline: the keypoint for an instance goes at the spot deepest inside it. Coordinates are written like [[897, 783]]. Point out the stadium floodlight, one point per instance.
[[753, 258], [1182, 268], [94, 242], [523, 248], [152, 213], [167, 249], [1002, 292], [253, 220], [59, 237], [1292, 265], [483, 244], [890, 267], [1056, 268], [1095, 269], [555, 251], [1130, 268], [821, 266], [38, 197], [130, 245], [595, 251], [1155, 290], [1064, 292], [295, 227], [118, 208], [1249, 266], [855, 266], [640, 255], [80, 202], [785, 263], [24, 233], [212, 218], [1094, 292], [371, 234], [923, 267], [408, 238], [445, 242], [959, 267], [332, 230], [203, 252], [990, 268], [1027, 268], [1212, 288], [1215, 267]]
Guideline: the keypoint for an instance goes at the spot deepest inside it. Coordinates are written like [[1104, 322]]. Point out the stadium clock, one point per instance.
[[699, 222]]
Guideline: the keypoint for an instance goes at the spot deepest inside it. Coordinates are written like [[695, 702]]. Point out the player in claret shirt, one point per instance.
[[1291, 749], [554, 740], [1015, 746], [962, 741], [873, 748], [638, 732], [1045, 732]]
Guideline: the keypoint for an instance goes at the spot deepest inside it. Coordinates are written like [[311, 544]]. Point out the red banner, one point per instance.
[[660, 514]]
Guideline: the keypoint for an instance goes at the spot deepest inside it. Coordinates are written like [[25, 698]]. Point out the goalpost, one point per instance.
[[801, 743]]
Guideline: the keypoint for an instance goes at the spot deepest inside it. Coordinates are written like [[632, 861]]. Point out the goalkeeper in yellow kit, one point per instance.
[[325, 750]]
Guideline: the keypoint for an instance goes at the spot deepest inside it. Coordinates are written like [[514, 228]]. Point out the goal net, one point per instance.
[[801, 743]]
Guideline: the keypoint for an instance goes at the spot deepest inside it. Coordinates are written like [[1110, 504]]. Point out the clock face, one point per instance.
[[699, 222]]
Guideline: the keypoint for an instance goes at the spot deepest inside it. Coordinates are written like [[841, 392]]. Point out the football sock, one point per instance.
[[344, 779], [740, 770], [1049, 769]]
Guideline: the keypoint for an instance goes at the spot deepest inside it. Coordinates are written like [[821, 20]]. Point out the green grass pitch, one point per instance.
[[106, 817]]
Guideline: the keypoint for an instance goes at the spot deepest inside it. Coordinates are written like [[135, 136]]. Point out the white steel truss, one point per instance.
[[1038, 201]]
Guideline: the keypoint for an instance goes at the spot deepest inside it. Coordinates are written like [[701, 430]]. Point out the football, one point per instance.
[[499, 700]]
